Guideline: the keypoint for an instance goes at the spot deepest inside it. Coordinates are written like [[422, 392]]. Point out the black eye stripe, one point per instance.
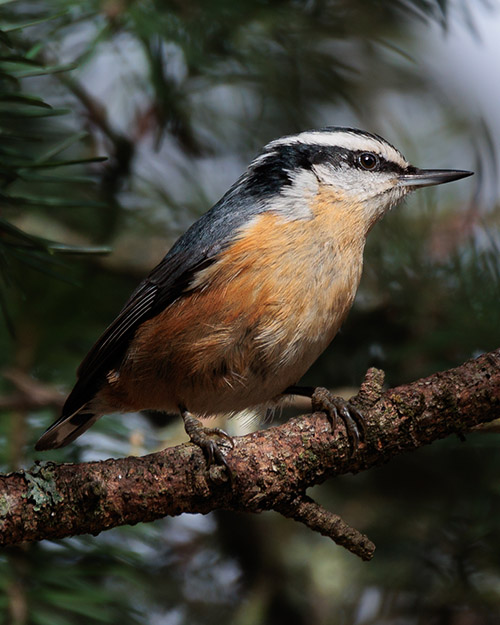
[[383, 164], [275, 169], [340, 155]]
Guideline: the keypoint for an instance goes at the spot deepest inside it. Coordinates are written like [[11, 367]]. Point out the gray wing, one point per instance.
[[196, 249]]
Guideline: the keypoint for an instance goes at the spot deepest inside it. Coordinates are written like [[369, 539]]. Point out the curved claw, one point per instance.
[[211, 450], [337, 409], [202, 437], [220, 432]]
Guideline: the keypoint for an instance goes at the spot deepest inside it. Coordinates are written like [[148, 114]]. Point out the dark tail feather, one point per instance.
[[66, 429]]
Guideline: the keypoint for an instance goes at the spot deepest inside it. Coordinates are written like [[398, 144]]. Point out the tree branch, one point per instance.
[[271, 469]]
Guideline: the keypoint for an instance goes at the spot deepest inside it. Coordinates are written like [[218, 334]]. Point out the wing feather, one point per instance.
[[169, 280], [196, 249], [148, 300]]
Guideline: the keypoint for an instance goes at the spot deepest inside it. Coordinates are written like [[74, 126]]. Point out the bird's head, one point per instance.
[[359, 168]]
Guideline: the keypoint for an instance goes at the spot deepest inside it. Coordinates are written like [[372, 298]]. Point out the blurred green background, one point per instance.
[[179, 96]]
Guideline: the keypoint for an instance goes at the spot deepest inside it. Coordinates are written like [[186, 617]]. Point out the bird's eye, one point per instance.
[[368, 161]]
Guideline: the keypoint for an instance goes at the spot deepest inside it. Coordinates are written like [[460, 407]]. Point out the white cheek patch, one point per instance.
[[377, 192], [358, 184], [294, 200]]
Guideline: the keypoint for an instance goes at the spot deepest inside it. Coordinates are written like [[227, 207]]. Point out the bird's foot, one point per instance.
[[338, 409], [205, 437]]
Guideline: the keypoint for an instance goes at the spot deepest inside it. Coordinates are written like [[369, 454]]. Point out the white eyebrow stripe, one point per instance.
[[344, 139]]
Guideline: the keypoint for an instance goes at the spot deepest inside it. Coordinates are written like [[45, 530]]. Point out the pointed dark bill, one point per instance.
[[430, 177]]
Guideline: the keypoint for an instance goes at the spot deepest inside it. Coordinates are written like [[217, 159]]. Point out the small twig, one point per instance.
[[305, 510], [370, 390]]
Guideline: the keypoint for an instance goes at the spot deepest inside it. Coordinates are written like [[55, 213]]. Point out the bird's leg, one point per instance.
[[336, 409], [203, 438]]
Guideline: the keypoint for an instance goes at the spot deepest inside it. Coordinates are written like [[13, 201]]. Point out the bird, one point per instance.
[[252, 293]]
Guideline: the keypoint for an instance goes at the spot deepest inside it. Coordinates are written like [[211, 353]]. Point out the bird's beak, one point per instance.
[[430, 177]]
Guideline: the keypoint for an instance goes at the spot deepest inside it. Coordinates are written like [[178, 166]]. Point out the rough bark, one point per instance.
[[271, 469]]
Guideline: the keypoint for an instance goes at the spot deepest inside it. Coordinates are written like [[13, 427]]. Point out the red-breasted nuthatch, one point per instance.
[[248, 298]]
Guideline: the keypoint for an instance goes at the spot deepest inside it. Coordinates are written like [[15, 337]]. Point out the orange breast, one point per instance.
[[255, 320]]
